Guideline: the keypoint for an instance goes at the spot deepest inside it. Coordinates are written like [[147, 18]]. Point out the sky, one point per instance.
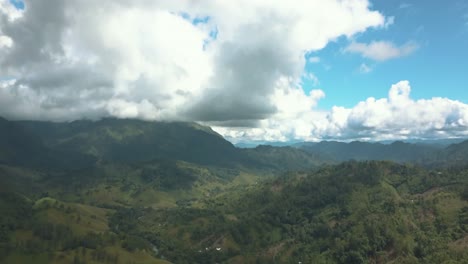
[[253, 70]]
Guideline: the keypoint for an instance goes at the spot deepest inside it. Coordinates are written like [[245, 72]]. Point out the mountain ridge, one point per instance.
[[130, 140]]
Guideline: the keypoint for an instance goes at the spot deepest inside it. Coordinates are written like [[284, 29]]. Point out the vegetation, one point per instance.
[[397, 151], [142, 192]]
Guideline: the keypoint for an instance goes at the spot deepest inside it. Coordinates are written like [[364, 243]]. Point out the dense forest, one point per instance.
[[128, 191]]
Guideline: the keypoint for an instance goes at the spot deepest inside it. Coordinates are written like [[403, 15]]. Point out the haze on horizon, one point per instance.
[[253, 70]]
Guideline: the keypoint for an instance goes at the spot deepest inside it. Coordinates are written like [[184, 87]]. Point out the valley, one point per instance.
[[128, 191]]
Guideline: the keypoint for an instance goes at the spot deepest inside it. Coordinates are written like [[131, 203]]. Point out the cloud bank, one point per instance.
[[237, 65], [396, 117], [163, 60]]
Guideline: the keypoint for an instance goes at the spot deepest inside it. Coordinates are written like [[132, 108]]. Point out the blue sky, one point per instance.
[[18, 3], [438, 68]]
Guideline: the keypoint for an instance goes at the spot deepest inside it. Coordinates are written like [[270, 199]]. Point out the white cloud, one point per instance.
[[395, 117], [314, 59], [143, 59], [364, 68], [5, 42], [8, 14], [72, 59], [381, 50], [9, 11]]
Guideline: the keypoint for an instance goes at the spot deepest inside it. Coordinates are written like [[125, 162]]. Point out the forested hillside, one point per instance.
[[397, 151], [126, 191]]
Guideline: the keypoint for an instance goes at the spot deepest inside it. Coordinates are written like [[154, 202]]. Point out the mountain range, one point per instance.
[[137, 141], [132, 191]]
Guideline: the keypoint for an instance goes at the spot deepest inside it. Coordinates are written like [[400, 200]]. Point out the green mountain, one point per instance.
[[135, 140], [283, 158], [119, 140], [23, 147], [397, 151], [129, 191], [453, 155], [457, 152], [18, 146], [355, 212]]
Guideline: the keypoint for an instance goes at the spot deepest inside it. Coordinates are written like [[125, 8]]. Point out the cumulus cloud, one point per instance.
[[216, 61], [396, 117], [381, 50], [238, 65]]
